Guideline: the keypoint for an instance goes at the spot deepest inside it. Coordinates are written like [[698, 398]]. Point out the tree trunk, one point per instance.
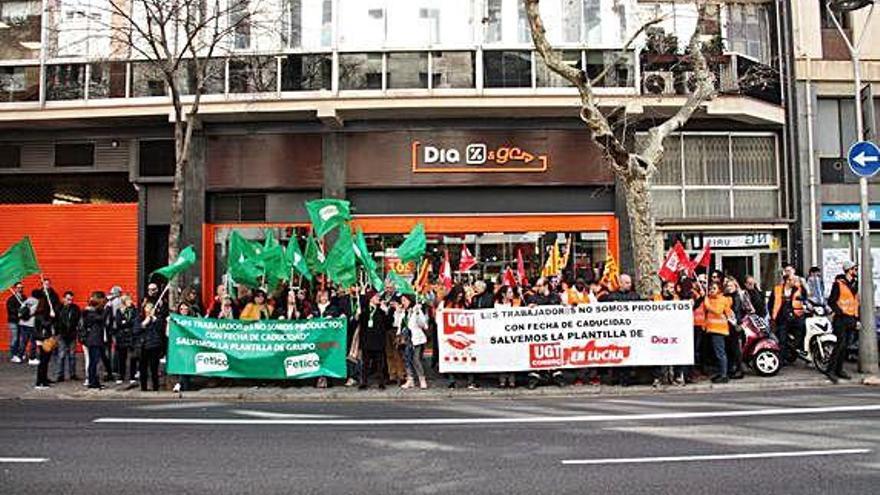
[[174, 230], [647, 249]]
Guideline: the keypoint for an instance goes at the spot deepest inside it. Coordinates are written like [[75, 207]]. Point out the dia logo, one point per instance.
[[209, 362], [303, 364]]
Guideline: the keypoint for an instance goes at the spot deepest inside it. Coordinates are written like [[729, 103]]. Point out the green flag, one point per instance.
[[401, 284], [275, 267], [18, 262], [327, 214], [296, 259], [413, 246], [367, 261], [244, 263], [185, 259], [340, 264], [314, 256]]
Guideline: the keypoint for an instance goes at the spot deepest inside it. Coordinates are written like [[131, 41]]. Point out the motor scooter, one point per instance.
[[818, 342], [759, 348]]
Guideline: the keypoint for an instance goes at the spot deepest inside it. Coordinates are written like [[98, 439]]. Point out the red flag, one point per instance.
[[467, 260], [703, 259], [446, 272], [509, 278], [676, 259], [521, 268]]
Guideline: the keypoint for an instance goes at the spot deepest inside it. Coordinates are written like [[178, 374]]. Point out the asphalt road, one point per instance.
[[805, 441]]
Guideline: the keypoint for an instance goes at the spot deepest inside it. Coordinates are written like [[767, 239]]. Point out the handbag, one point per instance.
[[50, 344]]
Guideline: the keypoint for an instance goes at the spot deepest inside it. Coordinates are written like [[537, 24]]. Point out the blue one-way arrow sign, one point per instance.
[[864, 158]]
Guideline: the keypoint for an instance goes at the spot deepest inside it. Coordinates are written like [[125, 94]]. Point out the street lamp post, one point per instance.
[[867, 335]]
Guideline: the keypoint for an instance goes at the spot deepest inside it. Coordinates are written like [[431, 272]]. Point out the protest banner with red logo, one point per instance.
[[550, 337]]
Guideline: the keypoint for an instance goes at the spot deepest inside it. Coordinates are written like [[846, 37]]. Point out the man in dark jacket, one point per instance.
[[374, 324], [13, 305], [543, 296], [844, 302], [66, 324], [624, 293], [756, 296]]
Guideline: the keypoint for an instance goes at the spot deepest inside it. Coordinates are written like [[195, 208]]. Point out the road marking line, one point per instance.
[[277, 415], [179, 405], [522, 420], [719, 457], [24, 460]]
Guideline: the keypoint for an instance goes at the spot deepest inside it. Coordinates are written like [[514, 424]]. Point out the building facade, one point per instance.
[[827, 128], [438, 111]]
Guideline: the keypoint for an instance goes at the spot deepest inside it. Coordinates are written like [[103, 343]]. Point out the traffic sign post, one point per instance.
[[864, 158]]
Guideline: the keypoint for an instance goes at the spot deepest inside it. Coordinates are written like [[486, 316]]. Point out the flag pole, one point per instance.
[[162, 294]]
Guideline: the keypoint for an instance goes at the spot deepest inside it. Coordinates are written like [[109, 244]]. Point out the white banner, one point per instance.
[[551, 337]]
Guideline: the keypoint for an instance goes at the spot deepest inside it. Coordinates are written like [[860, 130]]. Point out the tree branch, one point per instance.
[[623, 51]]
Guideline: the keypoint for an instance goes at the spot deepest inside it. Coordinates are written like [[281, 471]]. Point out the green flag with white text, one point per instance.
[[327, 214], [184, 261], [296, 259], [401, 284], [314, 256]]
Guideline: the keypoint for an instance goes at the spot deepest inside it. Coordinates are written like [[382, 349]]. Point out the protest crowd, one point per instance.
[[392, 336], [391, 325]]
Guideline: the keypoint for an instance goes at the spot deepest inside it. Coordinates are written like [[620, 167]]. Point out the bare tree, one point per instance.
[[634, 170], [181, 44]]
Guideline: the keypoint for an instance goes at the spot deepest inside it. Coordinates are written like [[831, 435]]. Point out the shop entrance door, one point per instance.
[[739, 265]]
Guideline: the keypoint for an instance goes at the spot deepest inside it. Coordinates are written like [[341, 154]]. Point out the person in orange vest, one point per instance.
[[844, 302], [787, 310], [719, 313]]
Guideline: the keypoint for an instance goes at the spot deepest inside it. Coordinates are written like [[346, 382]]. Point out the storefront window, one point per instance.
[[20, 35], [507, 69], [306, 72], [360, 71], [107, 80], [452, 69], [253, 75], [407, 70], [20, 83], [65, 82]]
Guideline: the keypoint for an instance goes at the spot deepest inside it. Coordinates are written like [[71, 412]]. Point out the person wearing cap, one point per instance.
[[844, 302]]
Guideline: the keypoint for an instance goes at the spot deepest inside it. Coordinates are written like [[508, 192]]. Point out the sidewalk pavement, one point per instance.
[[17, 382]]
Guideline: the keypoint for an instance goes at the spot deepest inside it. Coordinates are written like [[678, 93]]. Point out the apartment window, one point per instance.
[[827, 22], [715, 175], [326, 22], [507, 69], [238, 208], [156, 158], [10, 156], [430, 19], [214, 76], [453, 70], [407, 70], [546, 78], [240, 23], [306, 72], [253, 75], [147, 80], [748, 30], [492, 21], [19, 83], [107, 80], [360, 71], [363, 23], [293, 31], [838, 126], [74, 154], [65, 82], [20, 35]]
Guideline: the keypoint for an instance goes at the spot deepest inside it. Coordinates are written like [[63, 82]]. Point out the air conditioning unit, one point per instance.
[[658, 83], [685, 82]]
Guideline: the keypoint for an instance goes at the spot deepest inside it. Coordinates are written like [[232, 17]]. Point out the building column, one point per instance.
[[809, 204], [333, 161], [194, 205], [626, 262]]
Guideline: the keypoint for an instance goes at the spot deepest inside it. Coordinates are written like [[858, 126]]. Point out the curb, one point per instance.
[[273, 394]]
